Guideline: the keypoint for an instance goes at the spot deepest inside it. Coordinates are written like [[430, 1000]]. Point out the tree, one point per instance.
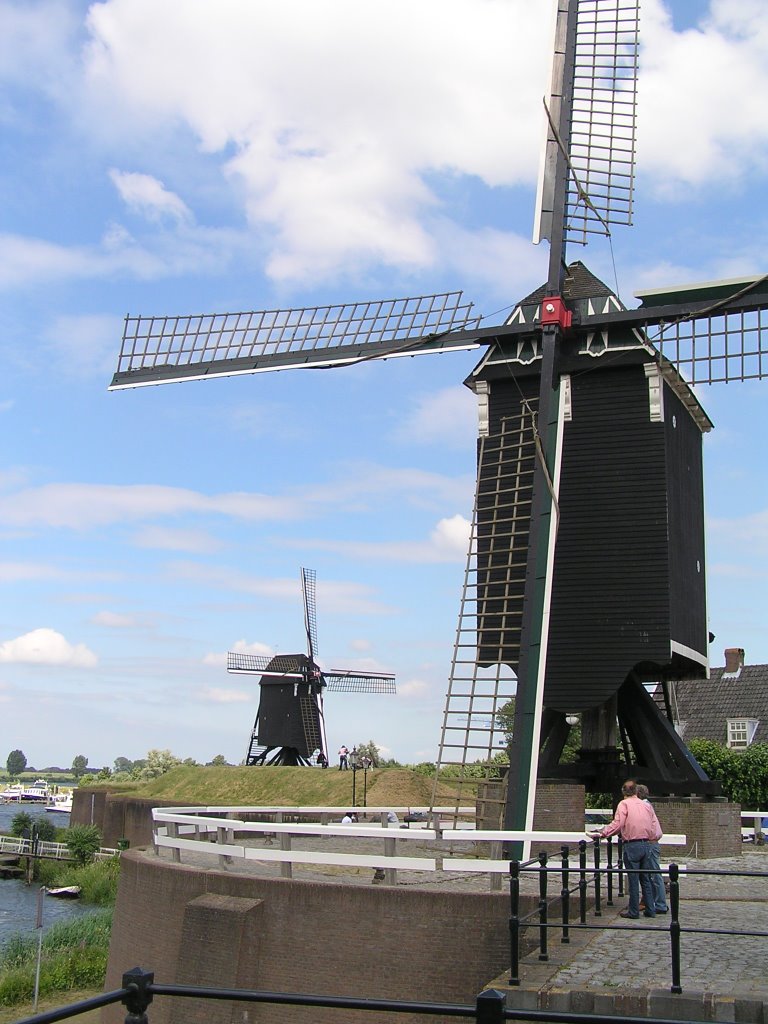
[[79, 764], [16, 763], [157, 762], [370, 750], [123, 764], [218, 761]]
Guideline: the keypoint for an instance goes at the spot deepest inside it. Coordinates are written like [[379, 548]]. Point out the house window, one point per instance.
[[741, 732]]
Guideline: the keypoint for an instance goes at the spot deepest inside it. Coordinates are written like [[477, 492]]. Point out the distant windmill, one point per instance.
[[290, 726], [585, 576]]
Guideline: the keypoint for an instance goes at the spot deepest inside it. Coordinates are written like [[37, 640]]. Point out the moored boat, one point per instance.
[[61, 802], [65, 892]]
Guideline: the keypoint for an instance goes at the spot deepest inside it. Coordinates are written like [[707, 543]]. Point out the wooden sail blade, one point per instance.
[[163, 349], [359, 682], [308, 589], [286, 665], [601, 98]]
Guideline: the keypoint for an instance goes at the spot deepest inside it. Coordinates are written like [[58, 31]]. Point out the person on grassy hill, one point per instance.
[[343, 756]]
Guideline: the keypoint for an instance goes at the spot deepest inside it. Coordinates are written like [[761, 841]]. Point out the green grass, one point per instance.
[[297, 787], [74, 957]]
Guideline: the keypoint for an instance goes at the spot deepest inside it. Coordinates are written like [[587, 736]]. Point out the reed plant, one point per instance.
[[74, 956]]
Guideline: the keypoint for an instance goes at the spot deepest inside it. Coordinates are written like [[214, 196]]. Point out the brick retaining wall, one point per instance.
[[224, 929]]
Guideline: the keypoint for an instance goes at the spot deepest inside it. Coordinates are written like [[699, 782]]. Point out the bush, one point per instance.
[[21, 824], [742, 773], [83, 841]]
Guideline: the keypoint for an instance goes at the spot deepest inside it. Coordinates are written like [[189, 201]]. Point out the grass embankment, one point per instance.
[[291, 787]]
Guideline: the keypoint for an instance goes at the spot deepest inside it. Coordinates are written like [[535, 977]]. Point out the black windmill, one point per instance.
[[290, 725], [585, 575]]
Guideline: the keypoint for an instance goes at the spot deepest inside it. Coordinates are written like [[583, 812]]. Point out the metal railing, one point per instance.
[[139, 989], [591, 876], [49, 850]]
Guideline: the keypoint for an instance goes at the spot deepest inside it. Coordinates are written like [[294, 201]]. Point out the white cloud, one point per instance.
[[177, 540], [219, 660], [447, 417], [79, 506], [701, 108], [84, 343], [113, 620], [14, 572], [144, 194], [215, 695], [413, 688], [448, 542], [46, 647], [334, 185]]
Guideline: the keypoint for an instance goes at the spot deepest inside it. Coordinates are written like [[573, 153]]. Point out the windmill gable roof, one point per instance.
[[703, 706]]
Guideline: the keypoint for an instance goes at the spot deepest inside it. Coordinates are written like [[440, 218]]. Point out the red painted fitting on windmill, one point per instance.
[[555, 311]]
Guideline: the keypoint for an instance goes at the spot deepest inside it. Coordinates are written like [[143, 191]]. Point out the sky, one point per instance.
[[183, 156]]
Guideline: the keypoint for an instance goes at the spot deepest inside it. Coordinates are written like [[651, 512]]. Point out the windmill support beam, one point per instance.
[[523, 755]]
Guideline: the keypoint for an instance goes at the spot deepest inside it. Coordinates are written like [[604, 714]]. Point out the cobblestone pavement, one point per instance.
[[640, 956]]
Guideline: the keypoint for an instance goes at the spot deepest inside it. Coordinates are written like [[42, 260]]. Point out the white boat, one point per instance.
[[65, 892], [61, 802], [38, 792]]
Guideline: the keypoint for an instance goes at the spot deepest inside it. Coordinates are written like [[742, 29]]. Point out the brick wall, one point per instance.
[[712, 828], [213, 927]]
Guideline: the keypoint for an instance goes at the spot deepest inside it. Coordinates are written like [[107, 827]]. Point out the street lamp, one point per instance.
[[353, 764], [365, 764]]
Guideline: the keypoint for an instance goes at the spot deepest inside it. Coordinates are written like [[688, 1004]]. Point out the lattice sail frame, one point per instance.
[[162, 349], [603, 122]]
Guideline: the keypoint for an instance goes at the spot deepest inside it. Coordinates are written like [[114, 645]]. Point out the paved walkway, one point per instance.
[[626, 967]]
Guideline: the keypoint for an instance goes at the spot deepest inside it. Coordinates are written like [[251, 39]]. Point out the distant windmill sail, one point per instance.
[[290, 721]]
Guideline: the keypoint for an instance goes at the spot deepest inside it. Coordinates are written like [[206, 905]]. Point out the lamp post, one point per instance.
[[365, 763], [354, 765]]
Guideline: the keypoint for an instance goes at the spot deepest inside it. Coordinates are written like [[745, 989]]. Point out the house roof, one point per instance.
[[702, 707]]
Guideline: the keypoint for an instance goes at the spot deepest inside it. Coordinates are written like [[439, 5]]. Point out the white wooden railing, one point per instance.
[[195, 830], [53, 851]]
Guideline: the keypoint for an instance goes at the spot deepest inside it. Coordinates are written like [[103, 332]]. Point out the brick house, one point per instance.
[[730, 707]]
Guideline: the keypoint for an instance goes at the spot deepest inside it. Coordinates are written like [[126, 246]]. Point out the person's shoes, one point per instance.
[[649, 913], [626, 913], [665, 910]]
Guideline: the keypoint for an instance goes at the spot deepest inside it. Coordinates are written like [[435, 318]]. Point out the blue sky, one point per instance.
[[180, 156]]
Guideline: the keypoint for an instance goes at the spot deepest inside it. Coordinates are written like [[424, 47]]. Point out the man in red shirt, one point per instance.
[[638, 825]]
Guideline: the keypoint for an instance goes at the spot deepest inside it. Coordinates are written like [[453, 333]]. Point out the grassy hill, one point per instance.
[[297, 787]]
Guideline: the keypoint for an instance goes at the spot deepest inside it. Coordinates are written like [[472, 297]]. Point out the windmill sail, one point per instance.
[[601, 98]]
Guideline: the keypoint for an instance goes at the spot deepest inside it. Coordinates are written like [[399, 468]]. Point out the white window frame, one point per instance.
[[740, 732]]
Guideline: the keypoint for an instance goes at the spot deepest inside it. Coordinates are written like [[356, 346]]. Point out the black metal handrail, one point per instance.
[[592, 877], [139, 990]]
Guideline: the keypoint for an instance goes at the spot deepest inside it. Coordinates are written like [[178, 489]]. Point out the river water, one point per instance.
[[18, 901]]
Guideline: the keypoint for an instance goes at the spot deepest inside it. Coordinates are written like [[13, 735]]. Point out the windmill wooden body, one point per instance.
[[290, 724], [585, 575]]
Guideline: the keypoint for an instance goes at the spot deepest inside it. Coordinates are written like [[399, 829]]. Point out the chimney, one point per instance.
[[734, 659]]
